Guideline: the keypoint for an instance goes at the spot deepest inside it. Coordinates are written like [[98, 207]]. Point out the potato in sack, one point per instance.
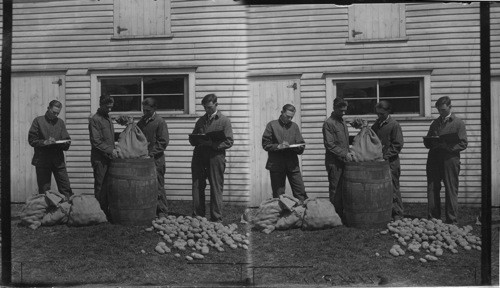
[[267, 214], [320, 214]]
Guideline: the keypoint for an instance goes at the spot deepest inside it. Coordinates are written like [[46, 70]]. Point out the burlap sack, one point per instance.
[[367, 146], [56, 215], [85, 210], [288, 202], [267, 215], [291, 219], [33, 211], [132, 143], [320, 214]]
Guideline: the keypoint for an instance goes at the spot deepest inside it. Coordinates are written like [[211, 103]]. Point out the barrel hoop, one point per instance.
[[366, 181], [129, 177]]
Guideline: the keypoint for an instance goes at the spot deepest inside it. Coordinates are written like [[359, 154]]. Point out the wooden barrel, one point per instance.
[[132, 191], [367, 194]]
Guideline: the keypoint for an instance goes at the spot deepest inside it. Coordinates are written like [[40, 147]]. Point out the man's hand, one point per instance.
[[349, 157], [115, 153], [50, 141], [283, 145]]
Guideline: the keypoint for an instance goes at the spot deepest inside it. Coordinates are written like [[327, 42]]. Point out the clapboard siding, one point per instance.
[[495, 38], [76, 36], [310, 40]]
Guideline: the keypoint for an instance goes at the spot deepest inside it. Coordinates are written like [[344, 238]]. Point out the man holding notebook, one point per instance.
[[212, 136], [443, 162], [283, 142]]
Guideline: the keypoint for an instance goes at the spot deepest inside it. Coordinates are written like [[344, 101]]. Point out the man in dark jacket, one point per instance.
[[156, 131], [282, 161], [47, 134], [443, 161], [336, 141], [390, 134], [102, 140], [209, 158]]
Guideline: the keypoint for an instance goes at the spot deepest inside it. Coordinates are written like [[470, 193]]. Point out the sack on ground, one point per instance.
[[288, 202], [366, 146], [267, 215], [291, 219], [54, 197], [56, 215], [132, 143], [85, 210], [320, 214], [33, 211]]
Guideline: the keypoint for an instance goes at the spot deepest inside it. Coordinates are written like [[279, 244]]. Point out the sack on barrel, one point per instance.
[[267, 216], [366, 145], [85, 210], [131, 143], [320, 214], [33, 211]]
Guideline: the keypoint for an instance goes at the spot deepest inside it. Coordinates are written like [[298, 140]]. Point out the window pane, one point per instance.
[[404, 94], [168, 92], [127, 103], [361, 96], [126, 91]]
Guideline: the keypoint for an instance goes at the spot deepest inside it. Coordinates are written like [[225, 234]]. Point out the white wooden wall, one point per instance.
[[75, 36], [310, 40]]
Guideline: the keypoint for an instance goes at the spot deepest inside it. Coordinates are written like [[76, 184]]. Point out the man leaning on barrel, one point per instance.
[[156, 131], [336, 141], [102, 140], [390, 134]]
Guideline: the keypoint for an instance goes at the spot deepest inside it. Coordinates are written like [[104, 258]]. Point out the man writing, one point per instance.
[[282, 161], [156, 131], [336, 142], [209, 158], [49, 157], [102, 140], [443, 161], [390, 134]]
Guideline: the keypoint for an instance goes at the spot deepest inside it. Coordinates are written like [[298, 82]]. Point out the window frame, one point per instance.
[[425, 75], [189, 111]]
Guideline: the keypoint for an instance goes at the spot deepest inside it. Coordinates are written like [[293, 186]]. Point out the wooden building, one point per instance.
[[410, 54], [255, 58], [177, 51]]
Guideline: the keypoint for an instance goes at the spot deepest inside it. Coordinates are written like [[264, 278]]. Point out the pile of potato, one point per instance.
[[196, 236], [430, 236]]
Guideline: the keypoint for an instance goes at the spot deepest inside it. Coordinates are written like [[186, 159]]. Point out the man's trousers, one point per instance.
[[278, 182], [211, 165], [44, 177]]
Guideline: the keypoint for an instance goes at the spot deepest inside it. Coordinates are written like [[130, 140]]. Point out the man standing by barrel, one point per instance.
[[102, 140], [282, 161], [49, 157], [209, 157], [156, 131], [443, 160], [390, 134], [336, 142]]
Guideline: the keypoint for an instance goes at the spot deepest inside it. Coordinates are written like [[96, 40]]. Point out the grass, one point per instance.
[[111, 255]]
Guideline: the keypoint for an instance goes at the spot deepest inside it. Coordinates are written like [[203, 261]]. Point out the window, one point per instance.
[[141, 18], [128, 92], [408, 91], [376, 22], [362, 95], [173, 90]]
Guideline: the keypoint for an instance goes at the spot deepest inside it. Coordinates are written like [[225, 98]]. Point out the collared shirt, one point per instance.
[[282, 159], [335, 139], [217, 123], [156, 131], [102, 136], [390, 134], [448, 125], [41, 129]]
